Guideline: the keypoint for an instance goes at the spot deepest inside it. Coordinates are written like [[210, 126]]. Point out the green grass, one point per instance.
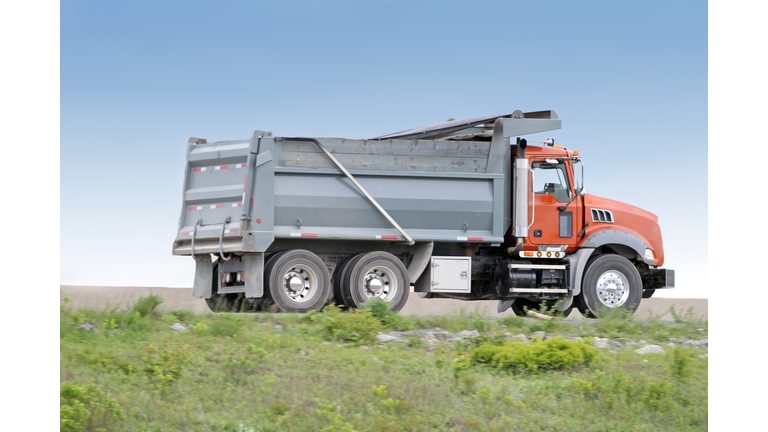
[[321, 371]]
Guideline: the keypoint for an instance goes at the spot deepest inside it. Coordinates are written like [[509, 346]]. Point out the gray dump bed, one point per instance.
[[239, 196]]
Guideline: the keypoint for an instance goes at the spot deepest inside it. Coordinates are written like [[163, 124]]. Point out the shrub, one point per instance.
[[356, 327], [147, 305], [552, 354], [87, 409], [164, 366], [390, 319]]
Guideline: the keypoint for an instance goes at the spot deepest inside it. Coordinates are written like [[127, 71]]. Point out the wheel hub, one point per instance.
[[612, 288], [297, 283], [377, 283]]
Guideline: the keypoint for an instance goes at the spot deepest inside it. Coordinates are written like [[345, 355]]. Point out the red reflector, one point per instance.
[[197, 169], [245, 182], [308, 235], [251, 202], [474, 239], [258, 220], [224, 167], [389, 237]]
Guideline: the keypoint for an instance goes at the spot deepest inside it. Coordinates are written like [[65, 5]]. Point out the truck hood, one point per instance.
[[628, 218]]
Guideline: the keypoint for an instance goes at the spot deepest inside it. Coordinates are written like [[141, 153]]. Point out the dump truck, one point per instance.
[[465, 209]]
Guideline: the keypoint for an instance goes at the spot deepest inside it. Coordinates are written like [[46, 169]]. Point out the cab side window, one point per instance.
[[551, 179]]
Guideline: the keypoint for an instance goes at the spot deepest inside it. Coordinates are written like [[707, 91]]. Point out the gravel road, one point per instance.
[[181, 298]]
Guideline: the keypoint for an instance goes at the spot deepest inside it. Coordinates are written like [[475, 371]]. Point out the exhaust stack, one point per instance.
[[520, 229]]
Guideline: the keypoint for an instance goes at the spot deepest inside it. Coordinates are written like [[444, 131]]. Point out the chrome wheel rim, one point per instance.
[[612, 288], [300, 283], [381, 282]]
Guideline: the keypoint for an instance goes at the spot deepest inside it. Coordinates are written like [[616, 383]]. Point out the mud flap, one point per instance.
[[504, 305], [254, 274], [203, 277], [564, 303]]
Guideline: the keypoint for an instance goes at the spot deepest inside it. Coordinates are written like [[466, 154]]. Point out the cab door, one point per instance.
[[557, 210]]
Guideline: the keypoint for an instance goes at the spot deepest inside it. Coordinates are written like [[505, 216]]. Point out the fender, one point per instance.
[[608, 237], [576, 264]]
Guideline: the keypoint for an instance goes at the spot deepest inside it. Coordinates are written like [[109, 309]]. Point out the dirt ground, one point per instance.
[[181, 298]]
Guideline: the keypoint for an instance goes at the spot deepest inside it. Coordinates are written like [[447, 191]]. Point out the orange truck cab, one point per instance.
[[614, 250]]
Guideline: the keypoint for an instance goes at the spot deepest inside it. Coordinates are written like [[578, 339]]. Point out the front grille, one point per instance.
[[602, 216]]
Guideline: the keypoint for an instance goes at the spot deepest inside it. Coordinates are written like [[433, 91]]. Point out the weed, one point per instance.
[[355, 327], [279, 408], [164, 366], [147, 305], [87, 409], [680, 367], [379, 391], [336, 420], [390, 319], [397, 406], [555, 354], [226, 325]]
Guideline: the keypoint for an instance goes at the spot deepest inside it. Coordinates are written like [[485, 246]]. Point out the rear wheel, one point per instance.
[[610, 282], [375, 275], [296, 281], [520, 306]]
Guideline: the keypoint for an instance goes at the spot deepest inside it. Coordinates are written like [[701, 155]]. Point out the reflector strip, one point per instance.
[[195, 208], [237, 204], [387, 237], [217, 206], [245, 183], [240, 165], [186, 233], [198, 169], [303, 235], [478, 239], [221, 167], [231, 230]]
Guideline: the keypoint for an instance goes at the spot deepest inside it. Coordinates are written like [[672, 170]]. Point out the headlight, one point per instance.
[[649, 255]]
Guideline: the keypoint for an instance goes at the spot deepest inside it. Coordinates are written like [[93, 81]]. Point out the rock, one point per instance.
[[178, 327], [541, 334], [602, 345], [278, 327], [670, 345], [521, 337], [87, 326], [364, 347], [467, 334], [650, 349], [615, 343], [703, 356], [384, 338]]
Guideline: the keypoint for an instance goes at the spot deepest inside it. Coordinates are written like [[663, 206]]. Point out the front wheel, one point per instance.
[[610, 282]]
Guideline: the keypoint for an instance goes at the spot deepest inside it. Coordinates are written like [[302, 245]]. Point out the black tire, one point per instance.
[[233, 302], [296, 281], [375, 274], [609, 282], [521, 304], [336, 281]]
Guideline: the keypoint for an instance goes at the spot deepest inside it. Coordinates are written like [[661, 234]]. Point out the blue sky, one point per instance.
[[628, 79]]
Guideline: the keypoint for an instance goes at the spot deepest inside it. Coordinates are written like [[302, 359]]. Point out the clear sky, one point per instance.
[[628, 80]]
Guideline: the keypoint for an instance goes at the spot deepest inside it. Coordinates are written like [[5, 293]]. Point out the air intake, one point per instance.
[[602, 216]]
